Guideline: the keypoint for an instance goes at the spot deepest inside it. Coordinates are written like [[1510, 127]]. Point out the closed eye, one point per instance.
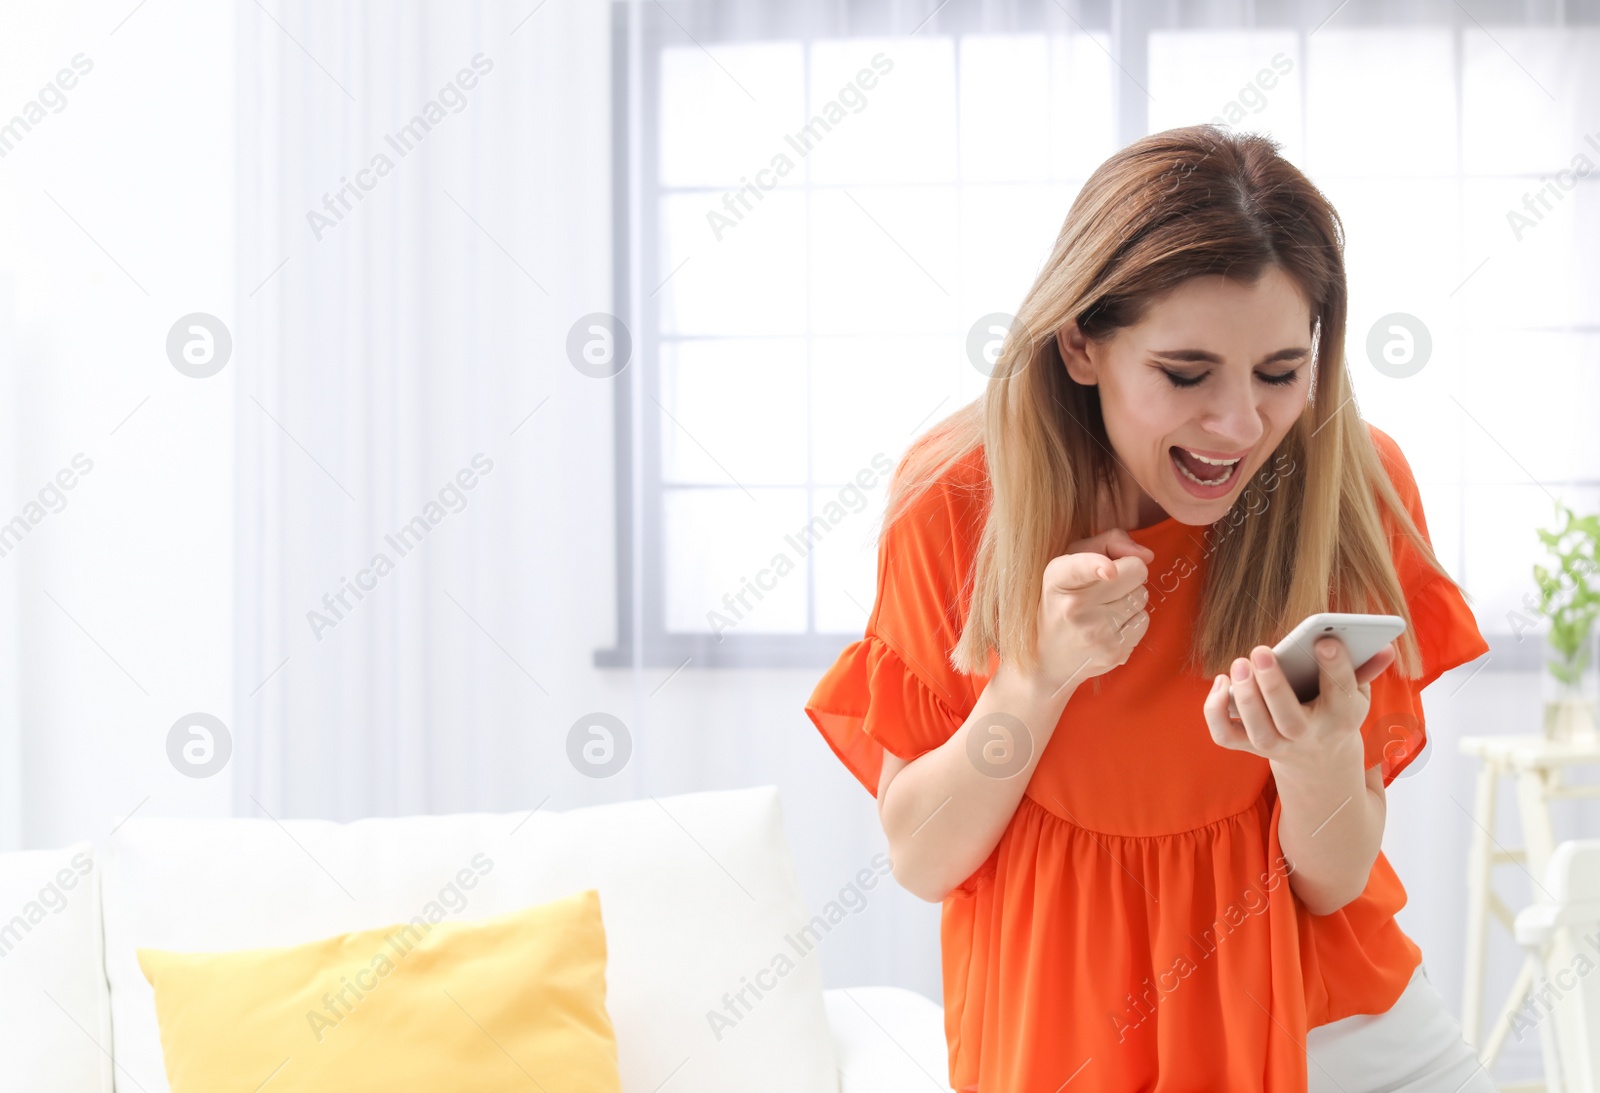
[[1282, 379]]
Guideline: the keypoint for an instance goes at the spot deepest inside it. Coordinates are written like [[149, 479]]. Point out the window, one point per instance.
[[831, 201]]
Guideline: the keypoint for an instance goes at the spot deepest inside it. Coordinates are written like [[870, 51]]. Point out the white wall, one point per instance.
[[117, 212]]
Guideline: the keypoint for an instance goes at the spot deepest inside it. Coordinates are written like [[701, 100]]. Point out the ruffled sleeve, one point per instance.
[[1446, 630], [895, 689], [871, 700]]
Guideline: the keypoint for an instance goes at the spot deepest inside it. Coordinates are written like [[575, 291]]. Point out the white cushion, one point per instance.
[[889, 1040], [55, 1011], [697, 892]]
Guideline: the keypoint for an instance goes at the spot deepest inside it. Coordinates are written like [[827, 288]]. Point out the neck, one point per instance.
[[1133, 508], [1149, 513]]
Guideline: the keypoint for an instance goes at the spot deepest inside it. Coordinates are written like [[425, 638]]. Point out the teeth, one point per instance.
[[1213, 462], [1213, 482]]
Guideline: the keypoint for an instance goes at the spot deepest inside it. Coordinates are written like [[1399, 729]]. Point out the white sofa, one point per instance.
[[698, 894]]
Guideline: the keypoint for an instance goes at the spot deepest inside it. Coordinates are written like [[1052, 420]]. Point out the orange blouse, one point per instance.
[[1132, 929]]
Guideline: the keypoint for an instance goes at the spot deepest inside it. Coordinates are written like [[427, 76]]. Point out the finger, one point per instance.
[[1337, 687], [1131, 573], [1377, 663], [1079, 572], [1134, 627], [1258, 725], [1133, 603], [1225, 731], [1117, 543], [1282, 703]]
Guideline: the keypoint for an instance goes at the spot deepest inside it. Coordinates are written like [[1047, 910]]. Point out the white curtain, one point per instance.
[[428, 325], [406, 290]]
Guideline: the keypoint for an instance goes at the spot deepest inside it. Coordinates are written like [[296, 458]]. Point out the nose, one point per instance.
[[1234, 416]]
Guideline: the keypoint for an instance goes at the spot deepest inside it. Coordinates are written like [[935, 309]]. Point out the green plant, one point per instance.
[[1570, 596]]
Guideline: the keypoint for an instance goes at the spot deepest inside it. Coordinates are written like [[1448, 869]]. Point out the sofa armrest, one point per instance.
[[889, 1040]]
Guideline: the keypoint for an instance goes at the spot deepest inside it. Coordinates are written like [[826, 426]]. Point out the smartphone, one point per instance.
[[1363, 636]]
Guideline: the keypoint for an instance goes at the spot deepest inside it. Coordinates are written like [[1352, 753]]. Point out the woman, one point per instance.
[[1166, 472]]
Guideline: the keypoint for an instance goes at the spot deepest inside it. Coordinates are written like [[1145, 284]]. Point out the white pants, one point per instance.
[[1415, 1047]]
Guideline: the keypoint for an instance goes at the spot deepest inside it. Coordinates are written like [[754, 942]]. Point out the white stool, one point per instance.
[[1537, 766], [1563, 942]]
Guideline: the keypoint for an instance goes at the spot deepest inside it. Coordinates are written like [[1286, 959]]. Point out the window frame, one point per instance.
[[1125, 24]]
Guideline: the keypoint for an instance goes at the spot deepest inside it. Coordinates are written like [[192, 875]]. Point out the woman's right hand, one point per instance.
[[1092, 608], [948, 807]]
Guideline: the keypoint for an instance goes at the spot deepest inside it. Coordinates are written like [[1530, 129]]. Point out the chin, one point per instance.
[[1197, 512]]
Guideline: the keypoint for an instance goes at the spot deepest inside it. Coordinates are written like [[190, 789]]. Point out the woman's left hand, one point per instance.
[[1276, 725]]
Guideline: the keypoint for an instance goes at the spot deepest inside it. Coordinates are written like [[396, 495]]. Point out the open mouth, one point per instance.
[[1205, 472]]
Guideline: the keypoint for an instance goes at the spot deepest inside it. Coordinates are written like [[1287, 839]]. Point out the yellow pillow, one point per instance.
[[485, 1006]]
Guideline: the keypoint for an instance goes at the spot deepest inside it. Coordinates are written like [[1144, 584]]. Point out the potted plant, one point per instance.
[[1569, 596]]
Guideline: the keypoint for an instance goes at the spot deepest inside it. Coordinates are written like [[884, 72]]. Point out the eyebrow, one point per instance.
[[1201, 356]]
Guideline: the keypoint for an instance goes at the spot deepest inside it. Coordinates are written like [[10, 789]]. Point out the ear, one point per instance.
[[1073, 347]]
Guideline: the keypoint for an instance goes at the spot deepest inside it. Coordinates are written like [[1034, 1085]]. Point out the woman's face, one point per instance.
[[1217, 370]]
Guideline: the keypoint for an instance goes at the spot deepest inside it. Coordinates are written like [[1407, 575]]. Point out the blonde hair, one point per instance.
[[1174, 205]]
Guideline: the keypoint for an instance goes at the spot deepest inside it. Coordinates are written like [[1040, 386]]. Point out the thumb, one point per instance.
[[1119, 544], [1079, 572], [1114, 543]]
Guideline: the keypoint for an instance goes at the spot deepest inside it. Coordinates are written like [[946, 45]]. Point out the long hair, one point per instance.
[[1174, 205]]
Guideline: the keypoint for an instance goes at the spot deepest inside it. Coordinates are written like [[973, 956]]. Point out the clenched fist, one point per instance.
[[1092, 607]]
